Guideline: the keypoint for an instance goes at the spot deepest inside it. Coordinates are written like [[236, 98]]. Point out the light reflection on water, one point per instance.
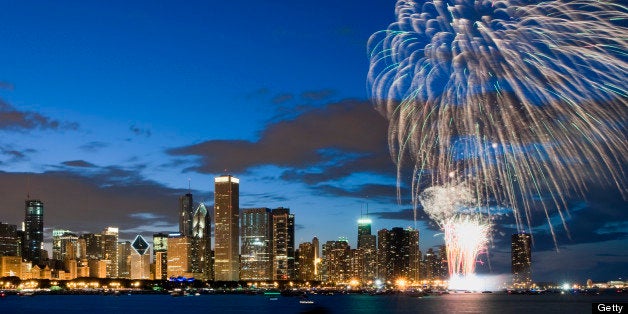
[[451, 303]]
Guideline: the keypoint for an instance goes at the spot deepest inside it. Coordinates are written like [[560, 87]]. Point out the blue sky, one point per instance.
[[108, 109]]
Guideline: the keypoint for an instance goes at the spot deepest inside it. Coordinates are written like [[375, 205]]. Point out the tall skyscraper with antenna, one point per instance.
[[227, 228]]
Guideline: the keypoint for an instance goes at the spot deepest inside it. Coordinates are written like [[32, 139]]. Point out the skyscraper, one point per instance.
[[124, 259], [521, 257], [398, 254], [140, 259], [110, 250], [34, 231], [367, 243], [179, 248], [160, 255], [256, 262], [200, 259], [56, 243], [336, 261], [186, 211], [282, 247], [227, 228], [9, 242], [307, 261]]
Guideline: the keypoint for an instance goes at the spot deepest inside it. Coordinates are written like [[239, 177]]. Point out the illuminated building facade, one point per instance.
[[9, 241], [227, 228], [56, 243], [124, 259], [398, 254], [140, 259], [282, 246], [521, 258], [367, 243], [34, 231], [110, 250], [336, 262], [307, 262], [186, 210], [179, 248], [160, 255], [256, 261], [200, 258]]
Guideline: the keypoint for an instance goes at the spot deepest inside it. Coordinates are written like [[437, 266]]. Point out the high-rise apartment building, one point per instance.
[[56, 243], [398, 254], [110, 250], [336, 262], [282, 247], [9, 241], [521, 258], [200, 258], [186, 211], [255, 227], [227, 228], [160, 255], [307, 262], [34, 231]]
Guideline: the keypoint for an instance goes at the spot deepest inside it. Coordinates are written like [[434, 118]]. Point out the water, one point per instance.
[[452, 303]]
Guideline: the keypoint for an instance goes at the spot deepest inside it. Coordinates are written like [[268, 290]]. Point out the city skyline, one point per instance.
[[110, 114]]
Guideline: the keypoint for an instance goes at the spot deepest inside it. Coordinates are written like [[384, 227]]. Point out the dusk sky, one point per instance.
[[108, 110]]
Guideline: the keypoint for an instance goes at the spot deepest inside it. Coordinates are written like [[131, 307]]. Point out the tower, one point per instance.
[[160, 255], [140, 259], [110, 250], [227, 228], [256, 261], [368, 247], [33, 230], [521, 258], [200, 259], [283, 244], [186, 207]]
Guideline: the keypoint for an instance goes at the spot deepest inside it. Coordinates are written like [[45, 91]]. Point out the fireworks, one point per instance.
[[517, 99]]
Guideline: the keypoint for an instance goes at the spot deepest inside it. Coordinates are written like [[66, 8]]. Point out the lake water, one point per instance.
[[452, 303]]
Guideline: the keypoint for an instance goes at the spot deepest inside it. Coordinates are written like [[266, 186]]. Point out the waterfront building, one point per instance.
[[200, 258], [110, 250], [367, 243], [317, 258], [336, 262], [256, 261], [124, 259], [33, 231], [398, 254], [97, 268], [93, 245], [306, 262], [140, 259], [178, 264], [186, 211], [521, 260], [160, 255], [10, 244], [56, 242], [227, 228], [10, 266], [282, 247]]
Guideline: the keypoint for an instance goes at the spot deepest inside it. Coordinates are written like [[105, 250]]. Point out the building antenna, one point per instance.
[[28, 187], [189, 185]]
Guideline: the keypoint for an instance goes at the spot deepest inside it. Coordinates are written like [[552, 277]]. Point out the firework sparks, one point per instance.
[[514, 98]]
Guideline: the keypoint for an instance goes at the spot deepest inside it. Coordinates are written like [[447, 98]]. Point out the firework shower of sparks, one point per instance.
[[513, 98]]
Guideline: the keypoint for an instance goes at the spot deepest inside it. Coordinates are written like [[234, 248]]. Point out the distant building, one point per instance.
[[200, 258], [10, 266], [521, 258], [336, 262], [282, 246], [93, 245], [34, 231], [398, 254], [227, 228], [124, 259], [56, 243], [110, 251], [179, 248], [367, 243], [140, 259], [9, 241], [256, 258], [160, 255], [186, 210], [307, 262]]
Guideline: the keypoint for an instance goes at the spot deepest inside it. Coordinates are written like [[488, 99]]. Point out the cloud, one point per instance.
[[282, 98], [6, 86], [15, 155], [140, 131], [89, 202], [16, 120], [78, 163], [318, 145], [317, 95], [93, 146]]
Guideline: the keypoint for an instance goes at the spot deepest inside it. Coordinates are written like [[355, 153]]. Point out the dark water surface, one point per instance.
[[452, 303]]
